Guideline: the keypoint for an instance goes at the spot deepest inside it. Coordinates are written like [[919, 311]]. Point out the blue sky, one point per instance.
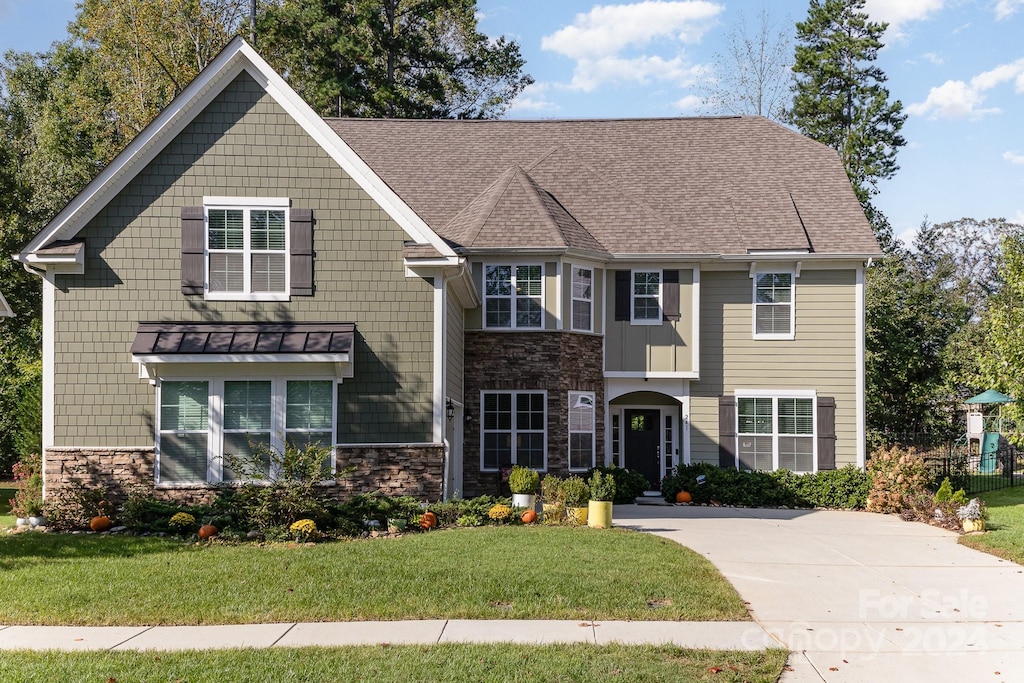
[[957, 66]]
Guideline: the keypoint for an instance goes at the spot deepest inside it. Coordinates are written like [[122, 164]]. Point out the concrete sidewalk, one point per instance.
[[731, 635], [860, 596]]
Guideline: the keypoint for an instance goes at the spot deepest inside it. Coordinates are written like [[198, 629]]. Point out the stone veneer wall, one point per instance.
[[393, 470], [558, 362]]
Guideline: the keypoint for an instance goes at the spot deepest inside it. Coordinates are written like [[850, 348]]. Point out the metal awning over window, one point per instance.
[[158, 344]]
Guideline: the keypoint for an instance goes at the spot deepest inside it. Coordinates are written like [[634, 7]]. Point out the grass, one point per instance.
[[504, 662], [485, 573], [1005, 523]]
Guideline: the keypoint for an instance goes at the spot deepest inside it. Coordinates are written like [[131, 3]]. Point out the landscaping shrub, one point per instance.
[[628, 484], [74, 504], [844, 488], [293, 491], [28, 486], [351, 516], [898, 477]]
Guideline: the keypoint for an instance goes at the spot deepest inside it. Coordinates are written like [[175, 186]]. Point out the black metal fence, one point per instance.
[[978, 472]]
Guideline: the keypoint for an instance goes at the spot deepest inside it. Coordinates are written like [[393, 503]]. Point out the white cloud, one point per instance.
[[1005, 8], [1014, 157], [899, 12], [638, 42], [934, 58], [957, 99], [1018, 219], [532, 98], [688, 104]]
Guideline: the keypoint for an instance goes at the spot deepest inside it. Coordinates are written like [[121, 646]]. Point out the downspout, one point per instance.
[[46, 409]]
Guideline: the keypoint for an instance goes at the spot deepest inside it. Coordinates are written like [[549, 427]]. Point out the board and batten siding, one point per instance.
[[667, 347], [242, 144], [822, 357]]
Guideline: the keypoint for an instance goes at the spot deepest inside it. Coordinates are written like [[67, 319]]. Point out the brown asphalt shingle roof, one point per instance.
[[629, 186], [242, 338]]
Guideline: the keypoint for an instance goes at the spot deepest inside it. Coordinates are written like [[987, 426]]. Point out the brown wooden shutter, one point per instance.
[[670, 294], [727, 431], [193, 243], [623, 300], [826, 433], [301, 233]]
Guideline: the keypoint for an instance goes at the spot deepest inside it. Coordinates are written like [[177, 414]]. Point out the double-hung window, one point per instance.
[[247, 250], [513, 296], [647, 297], [581, 430], [513, 429], [773, 306], [582, 299], [206, 424], [775, 432]]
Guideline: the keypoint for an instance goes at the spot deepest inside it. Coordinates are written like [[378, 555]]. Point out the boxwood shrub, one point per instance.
[[843, 488]]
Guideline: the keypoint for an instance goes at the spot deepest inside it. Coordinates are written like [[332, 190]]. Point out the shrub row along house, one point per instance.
[[440, 299]]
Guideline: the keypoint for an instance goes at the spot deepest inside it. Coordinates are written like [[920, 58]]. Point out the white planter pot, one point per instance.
[[21, 521], [527, 501], [37, 521]]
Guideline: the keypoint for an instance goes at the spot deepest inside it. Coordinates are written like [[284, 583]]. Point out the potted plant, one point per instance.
[[34, 510], [552, 496], [972, 515], [523, 483], [577, 493], [602, 493]]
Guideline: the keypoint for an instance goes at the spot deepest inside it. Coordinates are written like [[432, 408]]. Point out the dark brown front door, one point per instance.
[[642, 444]]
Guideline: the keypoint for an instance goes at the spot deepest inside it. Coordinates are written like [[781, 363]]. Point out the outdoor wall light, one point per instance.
[[449, 409]]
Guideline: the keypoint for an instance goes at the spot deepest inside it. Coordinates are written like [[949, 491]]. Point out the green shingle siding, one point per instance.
[[243, 144]]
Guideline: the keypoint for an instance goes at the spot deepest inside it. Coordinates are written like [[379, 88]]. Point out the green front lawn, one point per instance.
[[504, 662], [484, 573], [1005, 537]]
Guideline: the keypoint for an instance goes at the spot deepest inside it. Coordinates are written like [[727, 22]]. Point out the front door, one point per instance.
[[643, 443]]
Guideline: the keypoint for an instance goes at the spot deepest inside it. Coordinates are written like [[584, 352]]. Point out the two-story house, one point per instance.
[[440, 299]]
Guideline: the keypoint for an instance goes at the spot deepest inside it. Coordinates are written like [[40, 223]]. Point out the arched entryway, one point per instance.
[[648, 433]]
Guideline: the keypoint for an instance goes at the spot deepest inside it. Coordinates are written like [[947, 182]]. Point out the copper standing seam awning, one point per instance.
[[158, 343]]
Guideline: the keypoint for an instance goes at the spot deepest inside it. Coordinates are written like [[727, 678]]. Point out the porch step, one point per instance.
[[651, 498]]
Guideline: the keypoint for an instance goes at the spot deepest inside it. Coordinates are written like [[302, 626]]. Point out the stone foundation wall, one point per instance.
[[558, 362], [393, 470]]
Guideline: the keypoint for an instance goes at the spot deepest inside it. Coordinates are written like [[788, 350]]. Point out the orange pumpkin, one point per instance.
[[207, 531], [529, 517], [684, 497], [428, 520], [99, 523]]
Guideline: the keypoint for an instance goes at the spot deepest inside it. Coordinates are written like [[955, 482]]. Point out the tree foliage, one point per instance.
[[911, 318], [146, 51], [840, 98], [1001, 356], [391, 58], [754, 74]]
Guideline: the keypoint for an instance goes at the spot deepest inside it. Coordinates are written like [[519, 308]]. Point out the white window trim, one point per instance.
[[512, 297], [574, 396], [247, 205], [573, 267], [215, 427], [791, 335], [512, 456], [775, 396], [632, 297]]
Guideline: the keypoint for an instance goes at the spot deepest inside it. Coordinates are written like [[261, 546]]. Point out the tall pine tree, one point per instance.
[[840, 98]]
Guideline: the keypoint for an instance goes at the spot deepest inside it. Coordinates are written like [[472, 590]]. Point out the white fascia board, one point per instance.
[[617, 374], [238, 56], [152, 358], [5, 308]]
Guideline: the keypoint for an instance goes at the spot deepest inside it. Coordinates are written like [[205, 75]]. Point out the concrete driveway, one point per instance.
[[859, 596]]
